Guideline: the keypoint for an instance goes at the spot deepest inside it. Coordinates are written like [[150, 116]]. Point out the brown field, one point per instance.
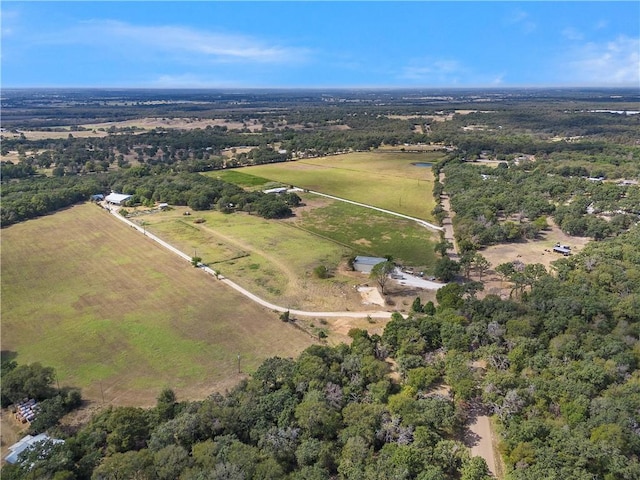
[[40, 135], [121, 317], [99, 129], [178, 123]]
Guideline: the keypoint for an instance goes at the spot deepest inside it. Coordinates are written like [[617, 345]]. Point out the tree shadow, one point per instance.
[[470, 439], [8, 355], [473, 410]]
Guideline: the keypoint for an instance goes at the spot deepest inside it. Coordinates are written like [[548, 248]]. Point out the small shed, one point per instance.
[[366, 264], [118, 198], [98, 197], [29, 441]]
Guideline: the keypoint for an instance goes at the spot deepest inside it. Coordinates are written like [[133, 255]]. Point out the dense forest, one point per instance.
[[559, 371]]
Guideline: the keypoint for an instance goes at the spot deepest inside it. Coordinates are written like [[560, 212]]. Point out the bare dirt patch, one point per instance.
[[363, 241], [10, 431], [340, 328], [527, 252], [371, 296]]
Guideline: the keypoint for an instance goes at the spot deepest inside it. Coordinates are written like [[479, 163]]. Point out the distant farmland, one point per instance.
[[384, 179], [114, 313]]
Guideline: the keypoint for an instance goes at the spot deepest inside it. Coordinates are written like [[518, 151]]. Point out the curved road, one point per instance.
[[243, 291]]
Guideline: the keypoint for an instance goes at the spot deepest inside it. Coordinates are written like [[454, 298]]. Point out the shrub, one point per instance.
[[321, 272]]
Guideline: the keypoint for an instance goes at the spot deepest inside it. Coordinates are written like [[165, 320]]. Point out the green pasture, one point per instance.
[[116, 314], [369, 232], [272, 258], [385, 180], [239, 178], [275, 258]]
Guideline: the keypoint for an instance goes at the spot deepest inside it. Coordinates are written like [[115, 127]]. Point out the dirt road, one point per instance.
[[447, 223], [480, 441]]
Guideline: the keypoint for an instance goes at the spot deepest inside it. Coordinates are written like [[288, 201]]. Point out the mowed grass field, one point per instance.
[[369, 232], [383, 179], [116, 314], [271, 258]]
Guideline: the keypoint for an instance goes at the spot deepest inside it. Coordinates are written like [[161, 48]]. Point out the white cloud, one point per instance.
[[432, 70], [572, 34], [521, 20], [8, 19], [447, 72], [498, 79], [616, 62], [187, 43]]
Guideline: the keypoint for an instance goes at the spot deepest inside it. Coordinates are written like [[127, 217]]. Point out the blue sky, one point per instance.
[[320, 44]]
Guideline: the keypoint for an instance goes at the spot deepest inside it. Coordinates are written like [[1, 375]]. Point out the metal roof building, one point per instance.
[[365, 264], [117, 198], [29, 441]]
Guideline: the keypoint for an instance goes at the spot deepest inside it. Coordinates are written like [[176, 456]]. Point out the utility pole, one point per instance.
[[238, 363]]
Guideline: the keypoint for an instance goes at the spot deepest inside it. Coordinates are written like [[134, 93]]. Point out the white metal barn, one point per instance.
[[117, 198]]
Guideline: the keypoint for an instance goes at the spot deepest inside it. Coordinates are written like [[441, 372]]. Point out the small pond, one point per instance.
[[422, 164]]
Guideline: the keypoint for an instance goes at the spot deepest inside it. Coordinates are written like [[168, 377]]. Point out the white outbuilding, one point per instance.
[[29, 441], [366, 264], [117, 198]]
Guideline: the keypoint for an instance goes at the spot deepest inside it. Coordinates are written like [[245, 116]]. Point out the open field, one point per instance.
[[64, 133], [144, 124], [241, 178], [116, 314], [150, 123], [385, 180], [271, 258], [369, 232], [401, 149]]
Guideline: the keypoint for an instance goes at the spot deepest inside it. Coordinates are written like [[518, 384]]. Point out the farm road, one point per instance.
[[448, 223], [245, 292], [401, 215]]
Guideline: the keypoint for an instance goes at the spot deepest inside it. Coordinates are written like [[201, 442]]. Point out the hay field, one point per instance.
[[116, 314], [385, 180]]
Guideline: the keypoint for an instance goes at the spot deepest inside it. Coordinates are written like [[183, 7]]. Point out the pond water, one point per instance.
[[422, 164]]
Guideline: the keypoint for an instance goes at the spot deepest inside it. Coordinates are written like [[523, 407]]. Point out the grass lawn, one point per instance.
[[115, 313], [271, 258], [369, 232], [383, 179], [240, 177]]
